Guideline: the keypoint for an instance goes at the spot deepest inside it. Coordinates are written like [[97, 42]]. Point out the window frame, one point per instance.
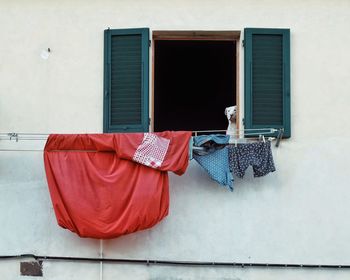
[[147, 94]]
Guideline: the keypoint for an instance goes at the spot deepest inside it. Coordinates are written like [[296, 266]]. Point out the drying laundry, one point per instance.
[[213, 157], [210, 143], [107, 185], [258, 155]]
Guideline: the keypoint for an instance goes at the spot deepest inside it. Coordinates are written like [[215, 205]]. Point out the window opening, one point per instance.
[[194, 81]]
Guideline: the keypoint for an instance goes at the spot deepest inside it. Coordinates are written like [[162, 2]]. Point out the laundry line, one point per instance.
[[19, 136], [238, 132], [43, 136]]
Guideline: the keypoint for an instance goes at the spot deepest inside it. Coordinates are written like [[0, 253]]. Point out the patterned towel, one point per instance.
[[152, 150]]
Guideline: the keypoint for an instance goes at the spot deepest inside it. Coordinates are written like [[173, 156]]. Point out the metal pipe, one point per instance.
[[179, 263]]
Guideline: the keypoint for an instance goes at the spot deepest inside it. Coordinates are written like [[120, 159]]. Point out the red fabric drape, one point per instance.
[[99, 191]]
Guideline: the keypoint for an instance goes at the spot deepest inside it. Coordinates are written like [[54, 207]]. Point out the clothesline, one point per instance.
[[43, 136], [247, 131], [239, 134]]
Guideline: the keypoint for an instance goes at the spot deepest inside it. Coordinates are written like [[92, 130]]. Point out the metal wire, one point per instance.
[[15, 136], [43, 136], [247, 131], [20, 150]]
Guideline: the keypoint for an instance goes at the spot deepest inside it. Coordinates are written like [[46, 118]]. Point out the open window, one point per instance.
[[195, 77]]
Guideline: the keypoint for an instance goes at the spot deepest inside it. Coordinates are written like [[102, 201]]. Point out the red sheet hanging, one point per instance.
[[103, 186]]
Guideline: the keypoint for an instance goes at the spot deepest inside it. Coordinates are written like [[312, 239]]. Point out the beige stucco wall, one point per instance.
[[296, 215]]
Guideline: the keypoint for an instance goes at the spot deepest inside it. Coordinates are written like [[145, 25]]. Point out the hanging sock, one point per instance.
[[107, 185]]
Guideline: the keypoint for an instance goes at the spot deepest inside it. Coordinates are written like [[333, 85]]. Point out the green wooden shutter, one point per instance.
[[267, 79], [126, 70]]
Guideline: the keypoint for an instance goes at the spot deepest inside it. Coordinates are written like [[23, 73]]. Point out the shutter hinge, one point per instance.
[[243, 43], [243, 121], [149, 121], [149, 42]]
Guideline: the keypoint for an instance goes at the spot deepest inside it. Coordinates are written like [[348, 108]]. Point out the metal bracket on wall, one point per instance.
[[279, 137], [13, 135]]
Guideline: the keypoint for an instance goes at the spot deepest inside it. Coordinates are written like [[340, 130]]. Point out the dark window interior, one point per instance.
[[194, 81]]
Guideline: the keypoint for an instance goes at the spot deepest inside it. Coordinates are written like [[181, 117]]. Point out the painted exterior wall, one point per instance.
[[296, 215]]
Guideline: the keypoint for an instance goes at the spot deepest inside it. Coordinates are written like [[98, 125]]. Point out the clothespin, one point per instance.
[[235, 142], [263, 137]]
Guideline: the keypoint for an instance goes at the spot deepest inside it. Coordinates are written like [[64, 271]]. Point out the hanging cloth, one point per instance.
[[107, 185], [213, 157], [258, 155]]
